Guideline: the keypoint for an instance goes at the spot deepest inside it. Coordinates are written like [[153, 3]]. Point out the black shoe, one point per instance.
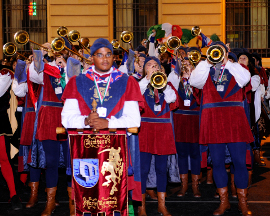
[[16, 203]]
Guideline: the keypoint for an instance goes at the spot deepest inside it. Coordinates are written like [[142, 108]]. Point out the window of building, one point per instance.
[[247, 25], [27, 15], [136, 16]]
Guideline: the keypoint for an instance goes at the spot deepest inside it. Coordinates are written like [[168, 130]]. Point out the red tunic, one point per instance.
[[28, 123], [223, 124], [49, 116], [157, 137], [186, 119]]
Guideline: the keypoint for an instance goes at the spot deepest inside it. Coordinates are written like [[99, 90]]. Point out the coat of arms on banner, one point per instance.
[[114, 166], [86, 172]]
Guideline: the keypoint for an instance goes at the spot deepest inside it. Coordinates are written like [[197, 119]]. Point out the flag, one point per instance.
[[125, 58], [206, 41], [38, 61], [20, 71], [73, 67], [176, 65], [130, 61]]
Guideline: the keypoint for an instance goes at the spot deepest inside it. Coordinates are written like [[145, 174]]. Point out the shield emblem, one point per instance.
[[86, 171]]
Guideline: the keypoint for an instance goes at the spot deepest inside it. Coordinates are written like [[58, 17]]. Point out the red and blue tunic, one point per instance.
[[186, 118], [49, 113], [123, 88], [156, 134], [223, 118]]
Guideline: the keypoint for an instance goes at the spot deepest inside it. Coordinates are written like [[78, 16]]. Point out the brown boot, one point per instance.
[[50, 204], [34, 194], [224, 201], [161, 204], [56, 201], [257, 158], [142, 209], [233, 188], [249, 178], [71, 202], [195, 186], [216, 194], [209, 176], [200, 178], [242, 202], [152, 194], [184, 186]]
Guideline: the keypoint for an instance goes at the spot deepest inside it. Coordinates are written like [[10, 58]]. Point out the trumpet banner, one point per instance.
[[99, 168]]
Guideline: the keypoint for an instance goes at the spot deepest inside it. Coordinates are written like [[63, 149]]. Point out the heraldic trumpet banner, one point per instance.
[[99, 163]]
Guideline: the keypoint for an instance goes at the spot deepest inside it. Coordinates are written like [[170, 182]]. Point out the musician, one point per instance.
[[186, 130], [182, 51], [118, 103], [156, 132], [45, 86], [232, 57], [260, 69], [138, 66], [223, 122], [255, 96], [142, 49], [165, 61], [6, 76]]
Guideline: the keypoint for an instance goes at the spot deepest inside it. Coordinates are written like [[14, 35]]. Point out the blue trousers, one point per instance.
[[52, 154], [161, 170], [188, 149], [238, 155]]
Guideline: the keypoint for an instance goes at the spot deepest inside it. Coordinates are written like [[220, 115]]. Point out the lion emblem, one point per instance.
[[114, 166]]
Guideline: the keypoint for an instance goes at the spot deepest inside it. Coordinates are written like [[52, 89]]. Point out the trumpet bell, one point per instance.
[[74, 36], [158, 80], [215, 54], [85, 42], [115, 43], [196, 30], [126, 36], [194, 56], [162, 48], [9, 49], [62, 31], [173, 42], [58, 44], [21, 37]]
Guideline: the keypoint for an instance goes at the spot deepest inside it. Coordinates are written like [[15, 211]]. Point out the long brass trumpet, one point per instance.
[[194, 56], [116, 44], [85, 42], [173, 43], [196, 30], [10, 49], [62, 31], [58, 44], [158, 80], [215, 54], [127, 37], [75, 36], [22, 37]]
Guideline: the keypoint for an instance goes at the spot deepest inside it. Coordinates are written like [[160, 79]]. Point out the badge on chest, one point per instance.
[[186, 102], [58, 90], [220, 88], [157, 107]]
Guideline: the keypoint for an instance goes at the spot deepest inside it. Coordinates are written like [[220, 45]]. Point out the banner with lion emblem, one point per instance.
[[99, 164]]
